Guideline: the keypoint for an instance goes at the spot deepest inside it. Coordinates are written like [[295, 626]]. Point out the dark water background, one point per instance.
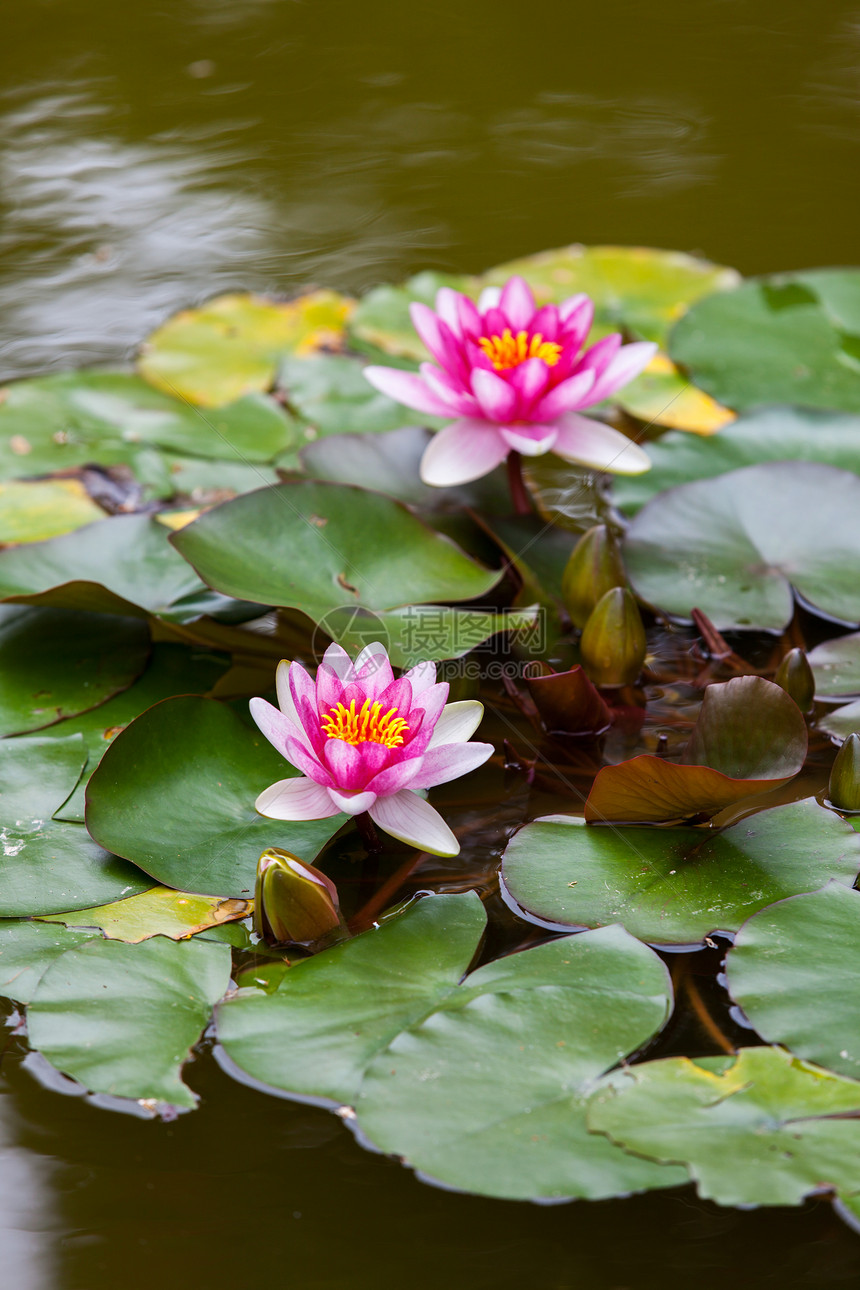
[[152, 154]]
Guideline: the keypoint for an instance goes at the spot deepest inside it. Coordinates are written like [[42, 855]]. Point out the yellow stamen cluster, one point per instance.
[[369, 725], [507, 351]]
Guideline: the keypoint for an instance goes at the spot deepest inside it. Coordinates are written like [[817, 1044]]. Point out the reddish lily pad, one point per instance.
[[568, 703], [750, 737]]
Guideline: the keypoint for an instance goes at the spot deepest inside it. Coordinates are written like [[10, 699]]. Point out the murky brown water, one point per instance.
[[152, 154]]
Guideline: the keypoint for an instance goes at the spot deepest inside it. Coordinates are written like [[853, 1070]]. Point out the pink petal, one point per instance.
[[412, 820], [298, 754], [464, 450], [450, 761], [530, 379], [273, 724], [569, 394], [591, 443], [457, 722], [352, 803], [407, 388], [285, 698], [347, 765], [547, 322], [470, 319], [599, 356], [373, 670], [489, 299], [576, 308], [295, 799], [497, 400], [396, 695], [448, 308], [420, 677], [439, 339], [395, 777], [627, 363], [518, 303], [433, 702], [495, 322], [456, 395], [530, 440]]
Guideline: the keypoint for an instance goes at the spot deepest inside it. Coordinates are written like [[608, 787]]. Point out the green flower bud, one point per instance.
[[613, 641], [294, 903], [594, 568], [795, 676], [844, 787]]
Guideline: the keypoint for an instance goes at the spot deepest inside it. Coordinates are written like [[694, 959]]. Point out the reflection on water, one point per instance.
[[155, 155], [28, 1220]]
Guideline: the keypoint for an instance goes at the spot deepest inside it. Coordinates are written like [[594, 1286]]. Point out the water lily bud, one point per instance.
[[613, 641], [594, 568], [293, 902], [844, 787], [795, 676]]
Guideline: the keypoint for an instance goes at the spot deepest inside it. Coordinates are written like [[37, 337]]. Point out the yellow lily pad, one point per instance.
[[663, 396], [233, 345], [635, 288], [158, 912], [34, 509]]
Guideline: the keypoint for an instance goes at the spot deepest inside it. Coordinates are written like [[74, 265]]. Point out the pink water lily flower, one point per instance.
[[516, 378], [367, 742]]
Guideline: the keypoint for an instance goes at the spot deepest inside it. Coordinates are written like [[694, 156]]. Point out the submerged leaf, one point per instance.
[[750, 736], [157, 912]]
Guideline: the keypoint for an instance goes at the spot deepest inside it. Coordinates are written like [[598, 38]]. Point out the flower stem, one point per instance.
[[369, 836], [516, 483]]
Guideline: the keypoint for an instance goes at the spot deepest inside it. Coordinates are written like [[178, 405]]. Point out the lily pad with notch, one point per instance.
[[49, 866], [318, 547], [737, 546], [478, 1082], [675, 886]]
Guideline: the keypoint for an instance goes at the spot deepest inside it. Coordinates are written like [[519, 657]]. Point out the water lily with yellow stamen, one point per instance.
[[516, 378], [367, 742]]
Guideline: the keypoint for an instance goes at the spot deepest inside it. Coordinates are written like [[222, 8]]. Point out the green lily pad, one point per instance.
[[173, 669], [381, 321], [735, 546], [121, 1019], [319, 547], [388, 462], [635, 288], [771, 434], [331, 394], [422, 633], [28, 949], [123, 565], [33, 509], [479, 1083], [750, 736], [175, 794], [789, 969], [836, 666], [207, 482], [233, 345], [843, 722], [675, 886], [47, 865], [157, 912], [56, 664], [761, 1130], [789, 338]]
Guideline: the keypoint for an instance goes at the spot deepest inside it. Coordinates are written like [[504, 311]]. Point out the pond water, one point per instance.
[[152, 155]]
